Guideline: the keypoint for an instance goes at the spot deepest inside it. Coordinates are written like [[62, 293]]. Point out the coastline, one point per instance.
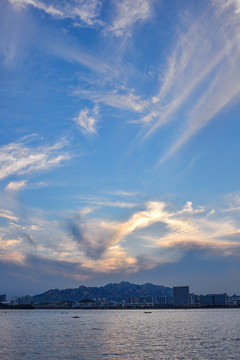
[[40, 307]]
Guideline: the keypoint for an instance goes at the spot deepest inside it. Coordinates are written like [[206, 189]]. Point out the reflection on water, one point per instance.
[[119, 334]]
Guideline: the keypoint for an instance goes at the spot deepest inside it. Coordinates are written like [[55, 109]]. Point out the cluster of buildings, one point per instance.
[[22, 300], [181, 298], [3, 299]]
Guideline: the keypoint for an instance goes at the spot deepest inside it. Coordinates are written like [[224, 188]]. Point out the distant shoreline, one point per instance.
[[148, 309]]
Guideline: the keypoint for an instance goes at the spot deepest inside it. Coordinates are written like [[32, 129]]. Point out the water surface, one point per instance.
[[120, 334]]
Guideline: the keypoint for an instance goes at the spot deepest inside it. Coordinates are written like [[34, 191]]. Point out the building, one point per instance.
[[141, 300], [193, 299], [85, 303], [3, 298], [181, 295], [163, 300], [149, 300], [22, 300], [214, 299], [234, 300]]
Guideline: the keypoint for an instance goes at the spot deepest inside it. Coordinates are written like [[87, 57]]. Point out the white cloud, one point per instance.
[[123, 193], [14, 186], [191, 62], [87, 121], [111, 245], [7, 214], [233, 203], [49, 9], [189, 209], [126, 100], [128, 13], [123, 101], [98, 201], [202, 75], [19, 158], [224, 86], [78, 54], [87, 11], [180, 230], [229, 3]]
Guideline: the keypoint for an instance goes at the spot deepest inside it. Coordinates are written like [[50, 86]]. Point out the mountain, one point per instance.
[[116, 291]]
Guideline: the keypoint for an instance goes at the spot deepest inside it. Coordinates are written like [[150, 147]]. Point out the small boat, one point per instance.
[[147, 312], [75, 317]]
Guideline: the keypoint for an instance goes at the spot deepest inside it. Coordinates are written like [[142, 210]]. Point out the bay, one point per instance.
[[119, 334]]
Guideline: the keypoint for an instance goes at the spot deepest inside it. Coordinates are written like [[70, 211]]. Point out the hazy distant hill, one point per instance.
[[114, 291]]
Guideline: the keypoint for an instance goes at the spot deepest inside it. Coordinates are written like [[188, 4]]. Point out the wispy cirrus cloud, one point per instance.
[[87, 121], [106, 202], [203, 231], [235, 4], [126, 99], [85, 11], [7, 214], [16, 39], [15, 186], [123, 193], [232, 202], [202, 74], [75, 53], [128, 13], [19, 158]]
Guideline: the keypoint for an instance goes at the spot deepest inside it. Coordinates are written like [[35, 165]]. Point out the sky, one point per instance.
[[119, 144]]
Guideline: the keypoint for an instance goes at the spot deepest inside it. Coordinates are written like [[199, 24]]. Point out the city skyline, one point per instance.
[[124, 292], [119, 146]]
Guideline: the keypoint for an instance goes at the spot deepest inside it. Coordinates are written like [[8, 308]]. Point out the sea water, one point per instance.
[[120, 334]]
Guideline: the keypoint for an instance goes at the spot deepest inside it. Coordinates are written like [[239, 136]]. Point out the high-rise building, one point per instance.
[[3, 298], [181, 295], [214, 299], [149, 299]]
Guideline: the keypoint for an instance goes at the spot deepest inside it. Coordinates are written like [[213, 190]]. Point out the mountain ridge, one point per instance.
[[111, 291]]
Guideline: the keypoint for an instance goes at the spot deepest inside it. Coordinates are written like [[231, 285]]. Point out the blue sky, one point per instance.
[[119, 144]]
